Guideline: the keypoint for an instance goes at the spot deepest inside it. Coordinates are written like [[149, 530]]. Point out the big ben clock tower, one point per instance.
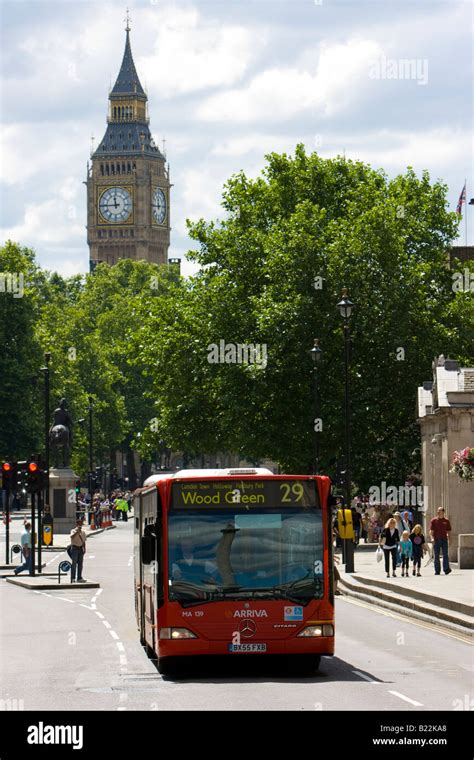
[[128, 187]]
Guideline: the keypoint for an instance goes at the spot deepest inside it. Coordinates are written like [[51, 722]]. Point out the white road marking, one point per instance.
[[99, 592], [99, 614], [107, 625], [123, 659], [65, 600], [407, 699], [55, 558], [121, 709], [366, 678], [114, 635], [120, 646]]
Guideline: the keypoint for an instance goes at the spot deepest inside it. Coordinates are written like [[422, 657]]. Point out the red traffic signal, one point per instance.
[[8, 475], [35, 477]]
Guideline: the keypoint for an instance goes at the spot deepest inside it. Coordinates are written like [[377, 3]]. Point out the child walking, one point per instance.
[[406, 552], [418, 541]]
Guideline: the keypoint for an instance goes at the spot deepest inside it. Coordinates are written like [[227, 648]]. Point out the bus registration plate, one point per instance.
[[247, 647]]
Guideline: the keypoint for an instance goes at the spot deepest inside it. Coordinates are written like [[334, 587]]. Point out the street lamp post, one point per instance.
[[91, 458], [316, 353], [45, 371], [346, 308]]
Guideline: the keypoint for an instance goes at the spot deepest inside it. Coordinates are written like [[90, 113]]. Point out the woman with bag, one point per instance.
[[389, 540]]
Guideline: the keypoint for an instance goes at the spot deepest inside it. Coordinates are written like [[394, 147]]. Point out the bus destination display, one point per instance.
[[245, 493]]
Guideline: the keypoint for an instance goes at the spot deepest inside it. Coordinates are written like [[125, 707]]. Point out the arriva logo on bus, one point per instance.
[[230, 497]]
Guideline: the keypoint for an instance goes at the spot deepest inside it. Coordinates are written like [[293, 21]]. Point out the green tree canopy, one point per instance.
[[272, 273]]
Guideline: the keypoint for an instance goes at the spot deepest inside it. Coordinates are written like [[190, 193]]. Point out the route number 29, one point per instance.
[[292, 493]]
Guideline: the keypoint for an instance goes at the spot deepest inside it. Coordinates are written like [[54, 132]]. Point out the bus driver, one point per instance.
[[189, 568]]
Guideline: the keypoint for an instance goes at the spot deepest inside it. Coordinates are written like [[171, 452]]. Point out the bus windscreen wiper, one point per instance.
[[301, 584], [186, 587]]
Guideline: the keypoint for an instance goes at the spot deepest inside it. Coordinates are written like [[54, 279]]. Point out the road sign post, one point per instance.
[[64, 567], [16, 549]]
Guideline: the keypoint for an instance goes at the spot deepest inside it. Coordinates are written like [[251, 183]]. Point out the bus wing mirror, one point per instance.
[[148, 549]]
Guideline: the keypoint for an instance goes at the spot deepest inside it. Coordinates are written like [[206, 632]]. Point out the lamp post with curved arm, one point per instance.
[[346, 307]]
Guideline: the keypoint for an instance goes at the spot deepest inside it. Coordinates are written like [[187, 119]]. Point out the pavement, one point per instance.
[[47, 581], [447, 600]]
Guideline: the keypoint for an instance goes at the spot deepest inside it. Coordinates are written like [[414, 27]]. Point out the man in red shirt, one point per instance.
[[439, 529]]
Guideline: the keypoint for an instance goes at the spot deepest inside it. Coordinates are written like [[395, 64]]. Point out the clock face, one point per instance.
[[159, 205], [115, 205]]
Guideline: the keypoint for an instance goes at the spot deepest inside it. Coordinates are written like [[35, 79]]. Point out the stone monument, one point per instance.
[[62, 479]]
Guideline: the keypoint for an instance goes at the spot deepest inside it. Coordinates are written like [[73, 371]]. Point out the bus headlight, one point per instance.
[[177, 633], [314, 631]]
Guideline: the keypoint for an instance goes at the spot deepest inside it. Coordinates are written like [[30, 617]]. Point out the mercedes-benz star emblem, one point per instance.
[[247, 629]]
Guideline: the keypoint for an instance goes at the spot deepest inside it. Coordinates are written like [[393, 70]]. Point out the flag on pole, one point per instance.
[[462, 199]]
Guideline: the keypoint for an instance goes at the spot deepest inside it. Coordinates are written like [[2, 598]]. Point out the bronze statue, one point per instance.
[[60, 435]]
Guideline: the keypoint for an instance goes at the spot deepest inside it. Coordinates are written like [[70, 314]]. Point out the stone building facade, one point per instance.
[[446, 419]]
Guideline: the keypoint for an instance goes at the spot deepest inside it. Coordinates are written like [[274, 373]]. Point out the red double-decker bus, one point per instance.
[[234, 562]]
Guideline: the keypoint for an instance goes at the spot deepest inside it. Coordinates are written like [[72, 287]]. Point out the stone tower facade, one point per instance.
[[128, 184]]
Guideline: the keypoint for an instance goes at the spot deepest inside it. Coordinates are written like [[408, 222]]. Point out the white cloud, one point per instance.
[[201, 193], [194, 53], [254, 143], [397, 150], [51, 221], [28, 150], [281, 93]]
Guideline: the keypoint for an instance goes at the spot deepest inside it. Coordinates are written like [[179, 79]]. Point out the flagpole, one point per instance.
[[465, 210]]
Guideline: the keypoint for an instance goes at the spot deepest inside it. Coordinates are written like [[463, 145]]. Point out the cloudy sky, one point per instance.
[[228, 81]]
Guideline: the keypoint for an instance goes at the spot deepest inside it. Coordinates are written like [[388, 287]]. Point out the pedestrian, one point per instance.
[[405, 548], [97, 513], [418, 541], [356, 523], [407, 523], [122, 507], [78, 549], [389, 540], [337, 559], [398, 520], [365, 527], [26, 548], [440, 529]]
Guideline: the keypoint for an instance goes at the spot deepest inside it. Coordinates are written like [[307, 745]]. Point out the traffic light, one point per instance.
[[98, 475], [21, 478], [78, 487], [8, 475], [35, 477]]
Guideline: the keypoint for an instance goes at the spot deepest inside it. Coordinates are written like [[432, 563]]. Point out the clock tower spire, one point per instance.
[[128, 183]]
